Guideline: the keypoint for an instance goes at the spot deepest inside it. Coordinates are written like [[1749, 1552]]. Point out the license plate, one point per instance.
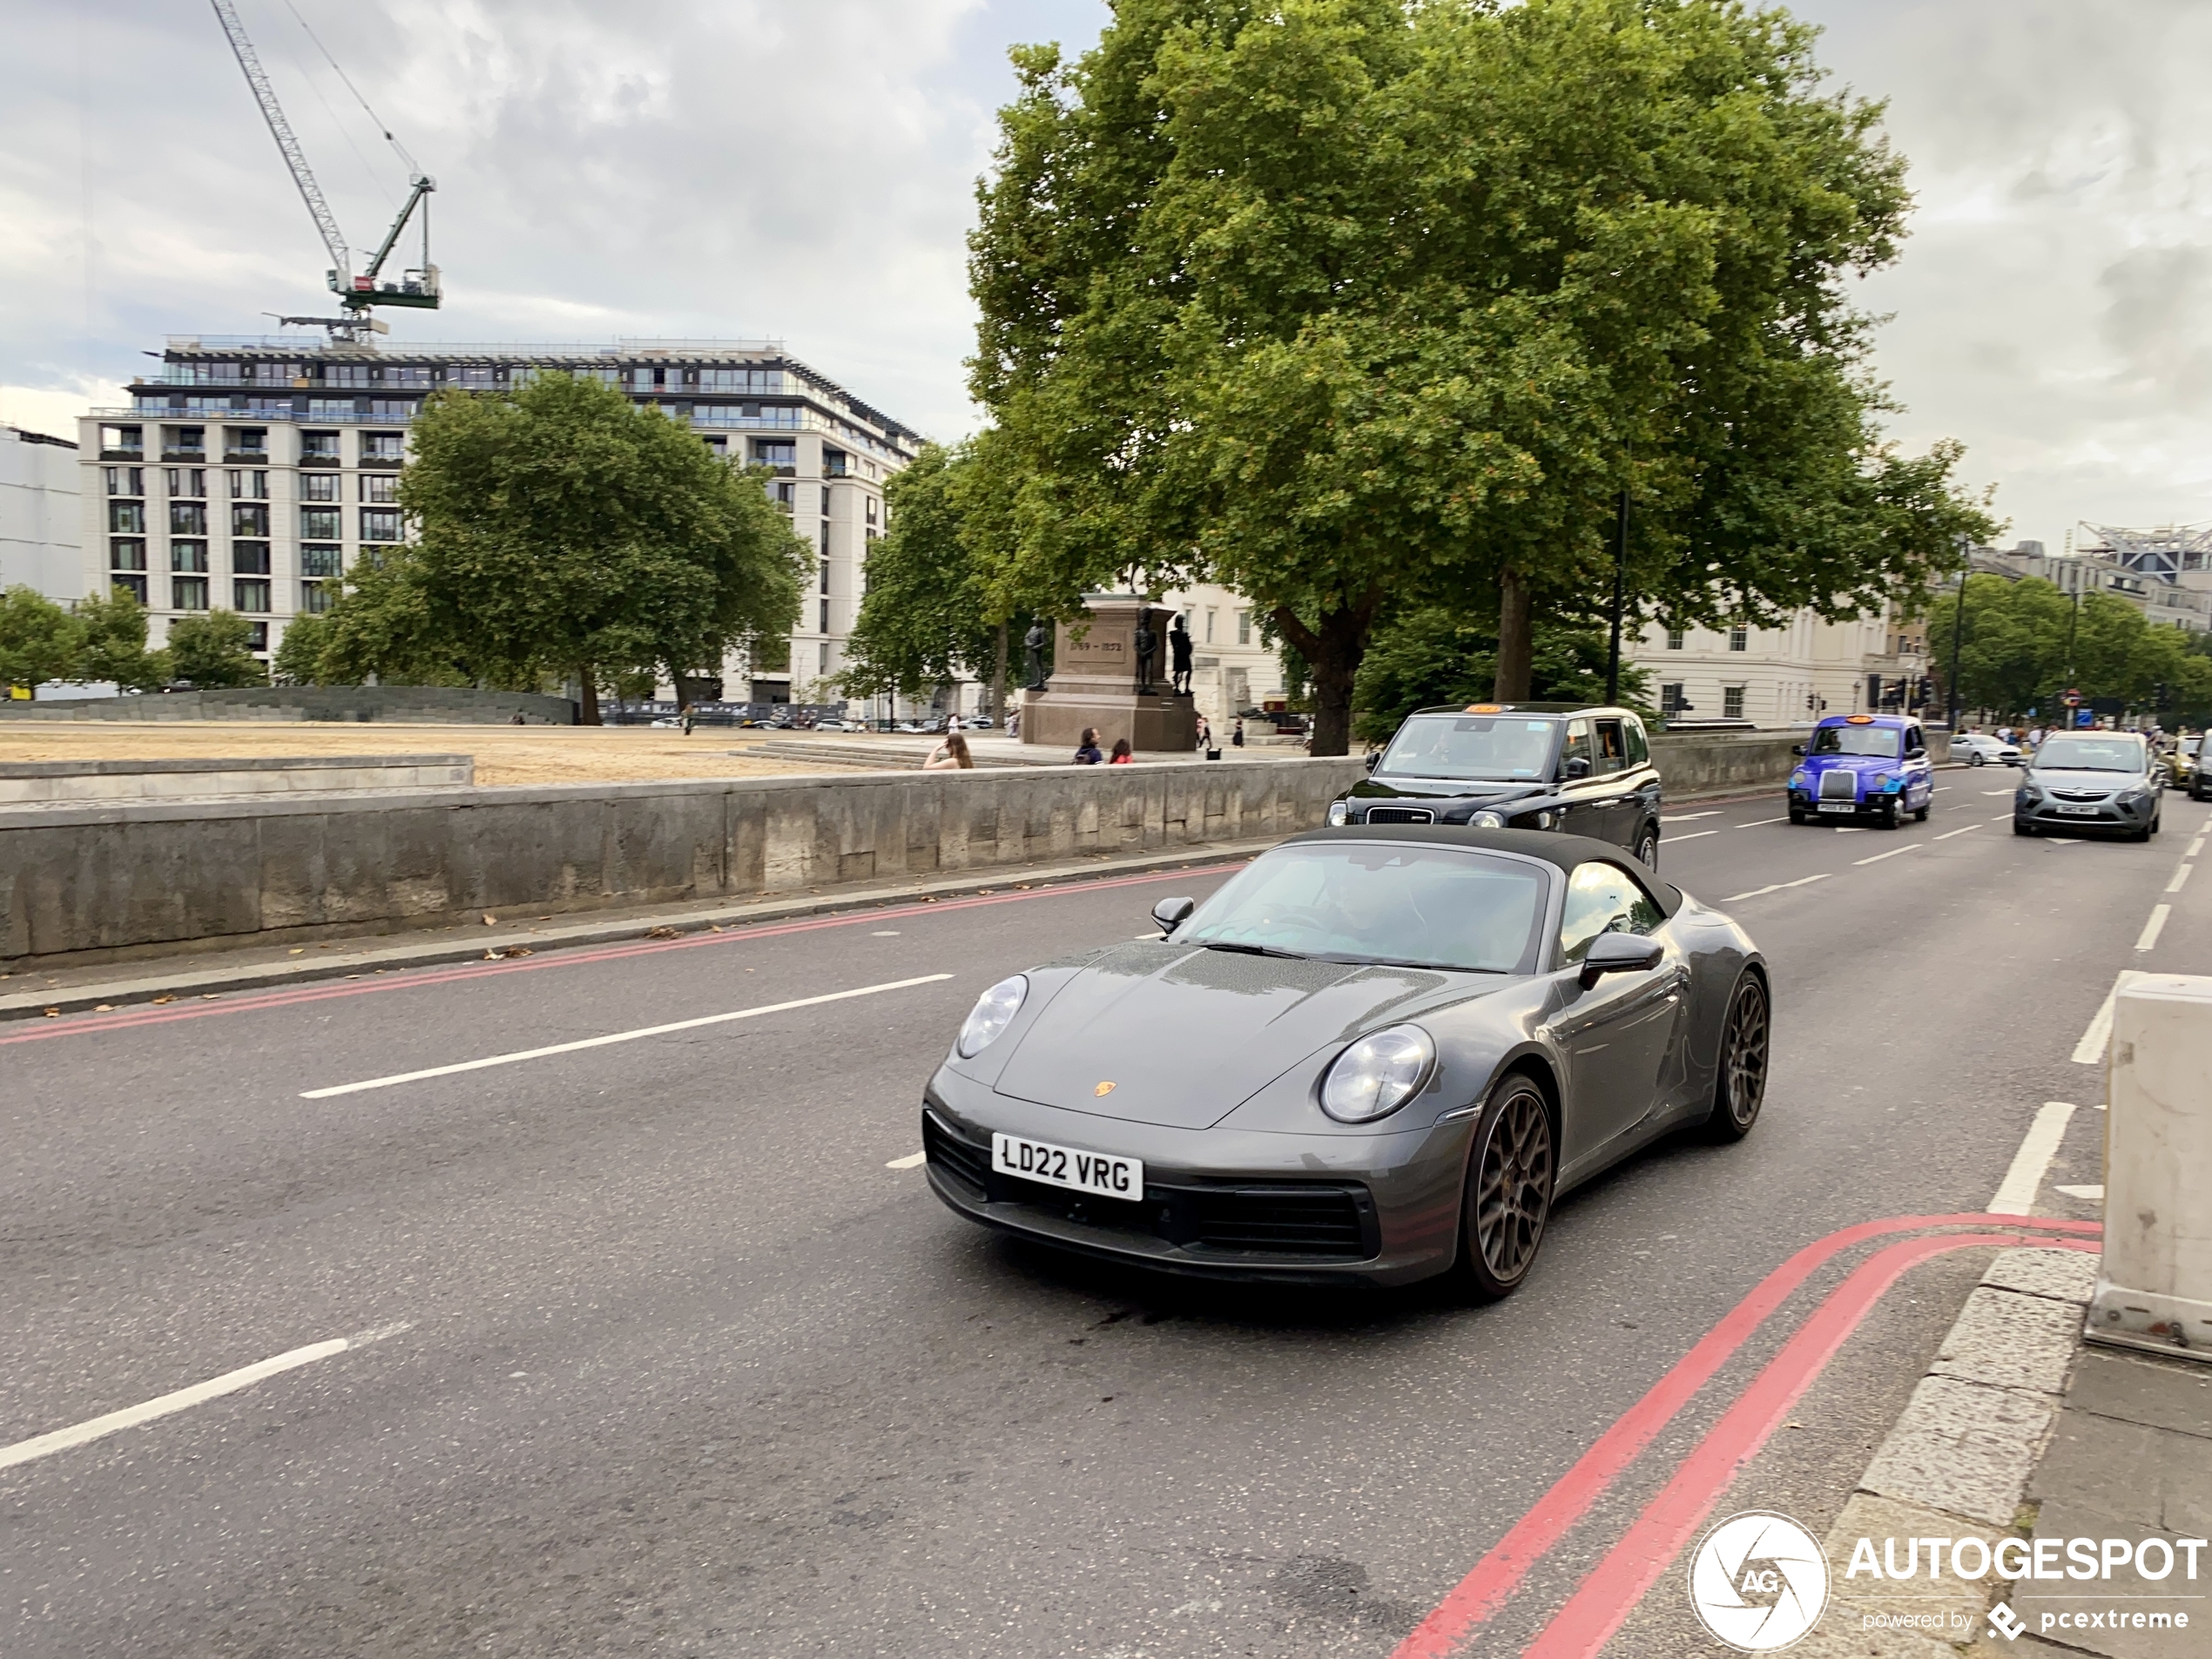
[[1839, 806], [2079, 811], [1066, 1166]]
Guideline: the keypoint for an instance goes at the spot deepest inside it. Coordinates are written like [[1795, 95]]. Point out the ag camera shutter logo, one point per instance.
[[1758, 1582]]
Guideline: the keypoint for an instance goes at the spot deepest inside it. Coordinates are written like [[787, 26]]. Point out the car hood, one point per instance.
[[1392, 787], [1185, 1037], [2054, 777], [1851, 762]]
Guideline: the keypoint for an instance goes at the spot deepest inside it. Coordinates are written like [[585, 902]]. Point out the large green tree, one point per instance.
[[2025, 645], [215, 650], [560, 530], [115, 642], [1363, 304], [1435, 654], [39, 640]]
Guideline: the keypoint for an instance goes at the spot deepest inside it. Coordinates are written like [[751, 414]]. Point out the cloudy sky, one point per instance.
[[804, 169]]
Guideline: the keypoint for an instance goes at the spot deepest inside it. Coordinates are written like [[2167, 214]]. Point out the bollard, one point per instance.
[[2154, 1285]]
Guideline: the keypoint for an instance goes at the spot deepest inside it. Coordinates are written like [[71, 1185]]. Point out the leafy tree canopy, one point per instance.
[[1436, 654], [115, 644], [39, 641], [1359, 304], [2024, 647], [214, 650]]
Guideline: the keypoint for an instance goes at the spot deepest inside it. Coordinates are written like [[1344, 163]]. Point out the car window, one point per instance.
[[1914, 745], [1501, 747], [1577, 746], [1380, 902], [1612, 747], [1602, 899], [2090, 754], [1639, 750], [1878, 740]]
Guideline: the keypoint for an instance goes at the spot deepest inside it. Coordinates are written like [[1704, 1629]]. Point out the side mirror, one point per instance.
[[1171, 913], [1374, 759], [1577, 767], [1620, 953], [1796, 748]]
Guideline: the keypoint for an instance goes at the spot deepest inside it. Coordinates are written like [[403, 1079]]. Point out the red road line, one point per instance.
[[737, 934], [1499, 1573], [1606, 1596]]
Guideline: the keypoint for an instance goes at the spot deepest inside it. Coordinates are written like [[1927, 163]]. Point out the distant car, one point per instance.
[[2181, 763], [1863, 765], [1574, 767], [668, 723], [832, 725], [2100, 782], [979, 722], [1979, 749], [1373, 1055]]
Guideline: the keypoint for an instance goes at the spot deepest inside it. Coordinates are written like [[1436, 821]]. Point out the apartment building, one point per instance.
[[252, 473], [39, 545]]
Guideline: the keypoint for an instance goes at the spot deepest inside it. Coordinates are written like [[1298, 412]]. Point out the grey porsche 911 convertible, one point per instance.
[[1376, 1054]]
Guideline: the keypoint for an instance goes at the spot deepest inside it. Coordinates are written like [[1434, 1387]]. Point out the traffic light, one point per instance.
[[1924, 693], [2158, 695]]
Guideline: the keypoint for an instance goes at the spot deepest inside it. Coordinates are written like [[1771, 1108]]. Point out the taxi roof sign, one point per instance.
[[1859, 720], [1485, 708]]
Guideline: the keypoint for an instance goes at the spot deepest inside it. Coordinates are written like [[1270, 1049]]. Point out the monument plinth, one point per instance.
[[1099, 680]]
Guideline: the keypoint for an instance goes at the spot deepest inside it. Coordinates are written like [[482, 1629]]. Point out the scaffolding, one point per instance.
[[2161, 554]]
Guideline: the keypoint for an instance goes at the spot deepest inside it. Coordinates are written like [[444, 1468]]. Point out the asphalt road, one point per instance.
[[656, 1353]]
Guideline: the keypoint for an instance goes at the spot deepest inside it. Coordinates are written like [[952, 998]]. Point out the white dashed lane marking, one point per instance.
[[909, 1161], [1913, 846], [2181, 876], [2151, 929], [1676, 840], [1756, 822], [1779, 887], [1683, 818], [1947, 834], [2033, 1161]]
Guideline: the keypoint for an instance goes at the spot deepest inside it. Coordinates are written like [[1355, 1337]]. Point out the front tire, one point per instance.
[[1891, 816], [2021, 826], [1739, 1087], [1509, 1200]]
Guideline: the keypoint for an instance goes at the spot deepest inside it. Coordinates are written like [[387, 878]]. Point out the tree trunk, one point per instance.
[[1333, 653], [998, 680], [587, 698], [1517, 640]]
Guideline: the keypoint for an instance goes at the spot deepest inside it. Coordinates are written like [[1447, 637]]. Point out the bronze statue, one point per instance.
[[1148, 645], [1179, 654], [1033, 643]]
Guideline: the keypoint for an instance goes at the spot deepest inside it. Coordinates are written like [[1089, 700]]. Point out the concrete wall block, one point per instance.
[[788, 851], [295, 873]]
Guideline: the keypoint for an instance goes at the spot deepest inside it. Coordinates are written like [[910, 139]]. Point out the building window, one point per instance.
[[1675, 637], [321, 523], [1731, 702], [122, 442], [380, 524], [250, 518], [319, 448], [780, 453], [822, 659], [183, 444], [188, 556], [380, 486], [786, 496], [1243, 627], [1739, 638], [133, 585], [127, 481], [127, 554], [1671, 701], [257, 637], [825, 568], [834, 465], [189, 483], [126, 518], [250, 593], [314, 597], [249, 558], [188, 593], [870, 502], [825, 538], [249, 485], [246, 444], [319, 486], [826, 616], [188, 518], [382, 446]]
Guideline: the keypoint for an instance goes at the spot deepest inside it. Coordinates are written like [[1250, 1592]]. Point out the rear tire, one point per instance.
[[1739, 1087], [1647, 847], [1508, 1197], [1975, 758]]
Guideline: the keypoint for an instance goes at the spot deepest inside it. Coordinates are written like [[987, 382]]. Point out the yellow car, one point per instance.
[[2180, 764]]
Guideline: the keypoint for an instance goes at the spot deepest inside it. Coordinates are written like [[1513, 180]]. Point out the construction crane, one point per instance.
[[356, 292]]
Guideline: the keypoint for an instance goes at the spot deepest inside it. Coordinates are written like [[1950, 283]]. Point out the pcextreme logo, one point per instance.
[[1758, 1582]]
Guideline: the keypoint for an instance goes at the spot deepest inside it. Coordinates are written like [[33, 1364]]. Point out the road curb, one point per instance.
[[198, 975]]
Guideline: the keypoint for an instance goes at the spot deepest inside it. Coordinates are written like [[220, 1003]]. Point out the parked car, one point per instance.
[[2090, 782], [1376, 1055], [1576, 767], [1863, 765], [833, 725], [1979, 749]]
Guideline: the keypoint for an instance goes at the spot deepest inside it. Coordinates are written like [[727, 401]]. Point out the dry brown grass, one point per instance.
[[529, 754]]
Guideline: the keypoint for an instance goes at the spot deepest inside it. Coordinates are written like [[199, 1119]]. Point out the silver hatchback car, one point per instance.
[[2091, 782]]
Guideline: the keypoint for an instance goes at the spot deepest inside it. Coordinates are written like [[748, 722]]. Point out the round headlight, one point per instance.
[[993, 1012], [1881, 780], [1377, 1074], [1487, 819], [1800, 778], [1337, 812]]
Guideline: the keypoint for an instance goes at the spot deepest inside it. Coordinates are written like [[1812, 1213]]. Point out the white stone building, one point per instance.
[[40, 539], [1787, 676], [251, 474], [1230, 669]]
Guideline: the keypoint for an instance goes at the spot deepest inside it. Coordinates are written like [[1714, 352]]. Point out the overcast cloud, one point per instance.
[[804, 169]]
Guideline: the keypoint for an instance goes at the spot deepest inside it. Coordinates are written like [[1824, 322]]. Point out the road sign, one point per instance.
[[2074, 699]]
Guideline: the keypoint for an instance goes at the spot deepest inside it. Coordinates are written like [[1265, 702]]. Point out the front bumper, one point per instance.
[[1805, 801], [1353, 1209], [2111, 816]]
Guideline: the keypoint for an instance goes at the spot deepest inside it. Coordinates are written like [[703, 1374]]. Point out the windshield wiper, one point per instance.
[[1253, 950], [1351, 959]]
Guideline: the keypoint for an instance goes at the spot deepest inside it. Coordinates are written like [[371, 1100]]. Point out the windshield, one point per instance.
[[1352, 902], [1494, 747], [1880, 740], [2089, 754]]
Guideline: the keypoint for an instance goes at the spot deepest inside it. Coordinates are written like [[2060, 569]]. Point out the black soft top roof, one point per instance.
[[1567, 852]]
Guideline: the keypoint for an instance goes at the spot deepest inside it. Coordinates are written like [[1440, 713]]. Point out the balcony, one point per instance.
[[138, 453], [318, 461], [389, 464], [184, 454]]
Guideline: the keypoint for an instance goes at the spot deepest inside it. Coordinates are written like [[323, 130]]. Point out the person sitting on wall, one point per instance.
[[951, 755], [1124, 755], [1087, 751]]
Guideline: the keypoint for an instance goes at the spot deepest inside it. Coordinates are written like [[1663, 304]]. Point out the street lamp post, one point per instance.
[[1958, 640], [1620, 579]]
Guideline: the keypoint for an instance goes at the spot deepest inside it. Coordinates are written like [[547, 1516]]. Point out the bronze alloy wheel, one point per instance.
[[1509, 1188], [1741, 1087]]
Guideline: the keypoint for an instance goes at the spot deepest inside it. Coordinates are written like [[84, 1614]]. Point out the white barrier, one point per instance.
[[2154, 1285]]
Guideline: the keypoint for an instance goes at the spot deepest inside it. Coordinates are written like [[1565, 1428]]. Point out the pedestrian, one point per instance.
[[1236, 737], [953, 724], [1205, 734], [687, 720], [1087, 751], [518, 718], [1014, 724], [951, 755], [1124, 755]]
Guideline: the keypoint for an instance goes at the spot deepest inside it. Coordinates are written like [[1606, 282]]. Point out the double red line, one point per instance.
[[1612, 1589]]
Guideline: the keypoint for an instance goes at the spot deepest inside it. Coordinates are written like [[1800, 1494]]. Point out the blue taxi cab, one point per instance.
[[1863, 765]]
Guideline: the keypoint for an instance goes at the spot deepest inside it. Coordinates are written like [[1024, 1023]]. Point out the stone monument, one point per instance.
[[1097, 680]]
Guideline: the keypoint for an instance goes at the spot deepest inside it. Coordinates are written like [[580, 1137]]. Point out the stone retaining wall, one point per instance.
[[27, 782], [406, 705]]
